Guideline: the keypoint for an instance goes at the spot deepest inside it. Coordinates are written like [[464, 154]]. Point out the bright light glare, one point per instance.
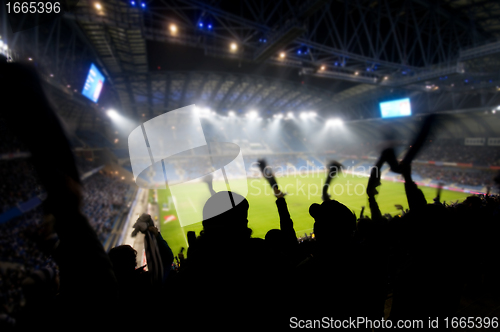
[[312, 114], [112, 114], [303, 115], [282, 55], [230, 113], [290, 115], [252, 114], [173, 28], [334, 122], [98, 6], [234, 47], [278, 116], [203, 112]]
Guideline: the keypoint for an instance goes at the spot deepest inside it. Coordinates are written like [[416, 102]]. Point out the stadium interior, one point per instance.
[[409, 88]]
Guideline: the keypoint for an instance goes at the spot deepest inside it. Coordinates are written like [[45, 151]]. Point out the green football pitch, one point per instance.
[[302, 191]]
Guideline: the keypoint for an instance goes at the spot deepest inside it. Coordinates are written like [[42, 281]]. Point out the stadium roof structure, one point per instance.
[[333, 57]]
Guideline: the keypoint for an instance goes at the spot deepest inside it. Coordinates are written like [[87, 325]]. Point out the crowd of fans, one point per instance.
[[456, 151], [18, 183], [20, 257], [353, 265], [456, 176], [20, 252], [103, 198], [427, 257]]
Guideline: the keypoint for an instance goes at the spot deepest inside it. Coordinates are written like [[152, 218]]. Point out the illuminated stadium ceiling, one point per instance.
[[338, 57]]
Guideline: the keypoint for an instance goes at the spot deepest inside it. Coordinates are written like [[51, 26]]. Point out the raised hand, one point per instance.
[[143, 223], [373, 182], [437, 199], [209, 181], [267, 172], [333, 168]]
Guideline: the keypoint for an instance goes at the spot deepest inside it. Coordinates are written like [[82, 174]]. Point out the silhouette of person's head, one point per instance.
[[334, 222], [226, 212], [427, 224], [473, 202], [123, 258], [275, 239]]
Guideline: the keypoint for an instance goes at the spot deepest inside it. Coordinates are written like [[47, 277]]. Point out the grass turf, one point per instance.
[[303, 190]]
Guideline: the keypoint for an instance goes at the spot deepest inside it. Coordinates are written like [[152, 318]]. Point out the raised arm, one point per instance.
[[416, 198], [158, 254], [373, 183], [166, 255], [286, 223]]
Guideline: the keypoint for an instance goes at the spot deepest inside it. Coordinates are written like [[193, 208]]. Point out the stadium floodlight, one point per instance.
[[303, 115], [252, 114], [230, 113], [173, 28], [334, 122], [112, 114], [278, 116], [233, 46], [290, 115], [202, 112]]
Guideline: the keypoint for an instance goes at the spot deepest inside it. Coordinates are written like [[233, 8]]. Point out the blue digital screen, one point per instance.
[[93, 84], [395, 108]]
